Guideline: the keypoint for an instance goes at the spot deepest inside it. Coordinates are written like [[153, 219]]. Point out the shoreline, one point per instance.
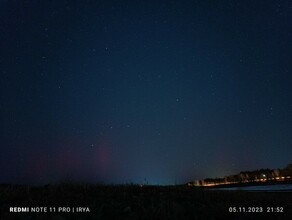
[[266, 183]]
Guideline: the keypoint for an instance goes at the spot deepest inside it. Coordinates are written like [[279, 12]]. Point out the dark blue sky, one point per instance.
[[137, 91]]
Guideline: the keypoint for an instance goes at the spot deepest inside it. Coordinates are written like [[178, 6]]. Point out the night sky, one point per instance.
[[158, 92]]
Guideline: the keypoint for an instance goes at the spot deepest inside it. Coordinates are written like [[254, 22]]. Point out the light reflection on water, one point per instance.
[[281, 187]]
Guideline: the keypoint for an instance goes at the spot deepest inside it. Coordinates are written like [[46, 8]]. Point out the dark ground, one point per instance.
[[136, 202]]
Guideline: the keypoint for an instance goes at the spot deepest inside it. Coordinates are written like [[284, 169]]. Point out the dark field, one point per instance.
[[136, 202]]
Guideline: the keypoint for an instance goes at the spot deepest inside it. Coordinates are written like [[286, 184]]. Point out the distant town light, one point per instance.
[[255, 176]]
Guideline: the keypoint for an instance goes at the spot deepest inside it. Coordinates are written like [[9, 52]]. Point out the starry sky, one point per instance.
[[158, 92]]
